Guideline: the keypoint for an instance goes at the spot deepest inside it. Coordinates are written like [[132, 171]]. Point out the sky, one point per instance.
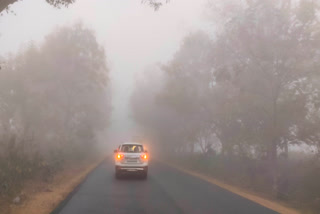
[[133, 35]]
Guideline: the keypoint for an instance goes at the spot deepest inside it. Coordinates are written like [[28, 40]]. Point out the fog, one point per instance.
[[226, 88], [133, 35]]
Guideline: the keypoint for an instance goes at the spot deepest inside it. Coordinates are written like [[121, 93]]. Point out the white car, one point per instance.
[[131, 158]]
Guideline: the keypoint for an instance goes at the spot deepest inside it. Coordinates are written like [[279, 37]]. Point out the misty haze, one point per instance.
[[160, 107]]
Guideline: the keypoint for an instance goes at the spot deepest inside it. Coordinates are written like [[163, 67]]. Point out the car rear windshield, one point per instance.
[[131, 148]]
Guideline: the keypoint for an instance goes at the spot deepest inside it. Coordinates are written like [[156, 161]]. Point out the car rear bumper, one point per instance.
[[132, 165], [131, 169]]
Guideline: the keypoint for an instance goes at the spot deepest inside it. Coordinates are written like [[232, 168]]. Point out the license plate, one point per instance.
[[132, 161]]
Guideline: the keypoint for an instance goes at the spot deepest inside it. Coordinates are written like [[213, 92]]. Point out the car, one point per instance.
[[131, 158]]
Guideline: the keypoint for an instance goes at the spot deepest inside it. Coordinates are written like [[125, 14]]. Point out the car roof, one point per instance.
[[131, 143]]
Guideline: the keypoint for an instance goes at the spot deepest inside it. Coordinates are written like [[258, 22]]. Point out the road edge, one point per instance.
[[272, 205], [62, 204]]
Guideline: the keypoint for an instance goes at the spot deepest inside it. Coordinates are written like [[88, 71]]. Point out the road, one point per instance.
[[166, 191]]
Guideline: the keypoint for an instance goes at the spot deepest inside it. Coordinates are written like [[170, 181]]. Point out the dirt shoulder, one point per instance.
[[43, 197], [273, 205]]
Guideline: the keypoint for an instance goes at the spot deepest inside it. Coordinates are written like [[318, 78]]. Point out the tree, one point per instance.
[[54, 98], [156, 122], [262, 56], [254, 86], [177, 112], [57, 94], [5, 4], [187, 83]]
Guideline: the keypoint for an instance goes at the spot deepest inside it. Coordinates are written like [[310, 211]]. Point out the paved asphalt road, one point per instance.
[[165, 191]]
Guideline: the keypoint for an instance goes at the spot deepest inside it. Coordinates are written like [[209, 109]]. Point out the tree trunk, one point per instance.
[[191, 148], [274, 145], [283, 186], [274, 167]]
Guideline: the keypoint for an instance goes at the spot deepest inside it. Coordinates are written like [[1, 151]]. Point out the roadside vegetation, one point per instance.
[[54, 99], [243, 105]]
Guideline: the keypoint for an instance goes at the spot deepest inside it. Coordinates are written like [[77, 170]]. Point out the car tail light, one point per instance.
[[144, 156], [119, 156]]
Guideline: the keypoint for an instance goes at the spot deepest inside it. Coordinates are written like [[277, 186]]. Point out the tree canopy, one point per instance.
[[5, 4], [252, 89], [54, 99]]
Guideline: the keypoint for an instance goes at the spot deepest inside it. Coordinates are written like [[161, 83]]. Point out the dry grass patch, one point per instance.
[[42, 197]]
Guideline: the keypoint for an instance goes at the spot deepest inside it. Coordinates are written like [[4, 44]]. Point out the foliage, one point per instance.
[[5, 4], [250, 92], [53, 100]]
